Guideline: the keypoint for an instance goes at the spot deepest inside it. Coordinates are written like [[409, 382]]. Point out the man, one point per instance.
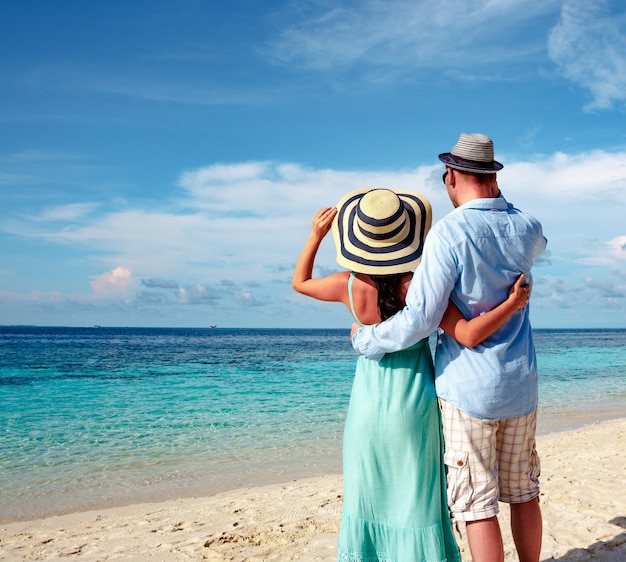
[[488, 394]]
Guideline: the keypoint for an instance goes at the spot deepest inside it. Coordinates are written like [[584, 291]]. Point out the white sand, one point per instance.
[[583, 501]]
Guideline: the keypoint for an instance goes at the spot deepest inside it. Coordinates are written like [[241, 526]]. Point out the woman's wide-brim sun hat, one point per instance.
[[473, 153], [380, 231]]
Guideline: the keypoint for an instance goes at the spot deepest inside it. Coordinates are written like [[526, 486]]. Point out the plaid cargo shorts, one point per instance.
[[488, 461]]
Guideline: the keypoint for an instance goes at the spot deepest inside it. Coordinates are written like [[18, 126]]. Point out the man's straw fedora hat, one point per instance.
[[472, 153]]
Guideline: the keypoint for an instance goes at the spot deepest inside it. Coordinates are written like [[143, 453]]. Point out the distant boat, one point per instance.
[[214, 326]]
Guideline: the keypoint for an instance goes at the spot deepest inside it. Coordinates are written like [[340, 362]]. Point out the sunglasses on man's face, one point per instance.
[[445, 174]]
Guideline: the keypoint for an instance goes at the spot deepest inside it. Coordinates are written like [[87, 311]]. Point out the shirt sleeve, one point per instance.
[[426, 301]]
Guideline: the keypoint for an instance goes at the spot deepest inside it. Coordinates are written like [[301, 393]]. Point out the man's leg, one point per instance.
[[472, 478], [526, 526], [485, 540], [519, 470]]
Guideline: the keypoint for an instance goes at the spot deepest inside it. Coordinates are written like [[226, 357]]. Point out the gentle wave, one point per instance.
[[105, 416]]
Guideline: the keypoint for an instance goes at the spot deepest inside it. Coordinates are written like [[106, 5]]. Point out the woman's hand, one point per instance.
[[519, 293], [355, 327], [476, 330], [302, 281], [322, 222]]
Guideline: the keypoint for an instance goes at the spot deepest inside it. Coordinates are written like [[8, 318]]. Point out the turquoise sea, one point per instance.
[[96, 417]]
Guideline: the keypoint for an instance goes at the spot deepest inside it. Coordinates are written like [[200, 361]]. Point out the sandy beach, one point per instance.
[[583, 503]]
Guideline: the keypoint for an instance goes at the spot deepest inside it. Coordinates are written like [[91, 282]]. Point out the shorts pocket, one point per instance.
[[535, 467], [460, 489]]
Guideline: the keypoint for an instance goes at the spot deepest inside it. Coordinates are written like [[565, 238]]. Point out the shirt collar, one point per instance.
[[492, 203]]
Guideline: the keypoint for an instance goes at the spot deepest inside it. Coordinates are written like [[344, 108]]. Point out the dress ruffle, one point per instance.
[[425, 544]]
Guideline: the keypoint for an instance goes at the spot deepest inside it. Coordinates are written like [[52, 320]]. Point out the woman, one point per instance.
[[394, 485]]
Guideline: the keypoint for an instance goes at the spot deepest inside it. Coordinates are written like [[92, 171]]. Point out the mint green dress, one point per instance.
[[394, 507]]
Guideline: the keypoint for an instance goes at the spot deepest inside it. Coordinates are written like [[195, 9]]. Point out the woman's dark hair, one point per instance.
[[388, 287]]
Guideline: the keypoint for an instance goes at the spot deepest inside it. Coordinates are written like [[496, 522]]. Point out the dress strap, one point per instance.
[[350, 281]]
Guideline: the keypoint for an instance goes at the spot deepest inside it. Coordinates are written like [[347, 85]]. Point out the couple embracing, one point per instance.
[[428, 445]]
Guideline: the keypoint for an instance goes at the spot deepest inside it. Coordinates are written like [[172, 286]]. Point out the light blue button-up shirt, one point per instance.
[[472, 256]]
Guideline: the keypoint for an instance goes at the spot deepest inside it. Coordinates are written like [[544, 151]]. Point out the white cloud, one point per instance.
[[114, 283], [198, 294], [70, 212], [247, 298], [231, 235], [589, 46], [589, 176], [607, 253], [605, 292], [270, 189], [252, 216], [404, 33], [219, 174], [157, 283], [617, 247]]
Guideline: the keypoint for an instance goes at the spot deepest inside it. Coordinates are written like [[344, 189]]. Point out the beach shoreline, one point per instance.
[[583, 503], [566, 417], [550, 420]]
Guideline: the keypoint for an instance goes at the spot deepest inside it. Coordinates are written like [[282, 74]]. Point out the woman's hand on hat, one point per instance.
[[519, 292], [323, 221]]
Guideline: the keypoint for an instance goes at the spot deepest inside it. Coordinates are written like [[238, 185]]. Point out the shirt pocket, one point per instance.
[[459, 479]]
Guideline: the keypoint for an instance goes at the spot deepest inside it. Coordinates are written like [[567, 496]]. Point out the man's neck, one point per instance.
[[476, 192]]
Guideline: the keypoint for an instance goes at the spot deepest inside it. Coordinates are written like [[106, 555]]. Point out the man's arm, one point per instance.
[[426, 301]]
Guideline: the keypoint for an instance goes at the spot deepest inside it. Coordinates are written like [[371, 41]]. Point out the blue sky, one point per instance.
[[160, 161]]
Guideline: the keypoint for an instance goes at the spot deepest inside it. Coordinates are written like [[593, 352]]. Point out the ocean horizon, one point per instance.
[[96, 417]]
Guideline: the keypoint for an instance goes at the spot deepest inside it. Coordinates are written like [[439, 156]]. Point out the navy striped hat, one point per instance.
[[472, 153], [381, 232]]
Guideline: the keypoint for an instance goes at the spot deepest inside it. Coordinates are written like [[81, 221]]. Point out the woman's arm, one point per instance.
[[472, 332], [331, 288]]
